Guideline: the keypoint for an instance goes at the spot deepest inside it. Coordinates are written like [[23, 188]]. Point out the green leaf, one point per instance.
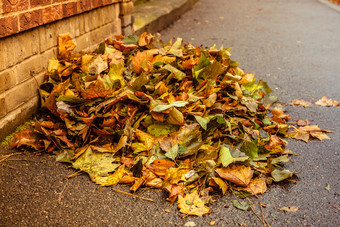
[[131, 39], [202, 121], [250, 149], [225, 156], [70, 98], [280, 175], [178, 74], [176, 48], [328, 187], [96, 164], [173, 152], [202, 63], [161, 129], [162, 107], [243, 205]]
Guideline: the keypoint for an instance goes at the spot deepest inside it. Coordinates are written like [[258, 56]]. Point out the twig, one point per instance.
[[263, 218], [75, 174], [7, 156], [140, 197], [61, 193], [252, 209]]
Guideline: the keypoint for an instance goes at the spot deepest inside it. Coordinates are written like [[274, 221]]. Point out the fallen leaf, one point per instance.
[[324, 101], [289, 208], [65, 45], [191, 204], [300, 102], [238, 174], [304, 133], [242, 205]]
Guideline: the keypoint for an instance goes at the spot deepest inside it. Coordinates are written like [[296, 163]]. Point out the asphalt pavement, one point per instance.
[[295, 47]]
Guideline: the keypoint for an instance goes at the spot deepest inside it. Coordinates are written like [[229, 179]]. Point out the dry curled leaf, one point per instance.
[[324, 101], [65, 45], [300, 102]]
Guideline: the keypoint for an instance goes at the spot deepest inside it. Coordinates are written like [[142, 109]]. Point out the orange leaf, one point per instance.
[[65, 45], [256, 186], [238, 174], [247, 78], [160, 166], [144, 39]]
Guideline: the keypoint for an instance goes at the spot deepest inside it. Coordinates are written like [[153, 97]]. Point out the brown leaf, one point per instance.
[[279, 116], [176, 117], [304, 133], [29, 138], [175, 190], [300, 102], [65, 45], [238, 174], [302, 122], [324, 101]]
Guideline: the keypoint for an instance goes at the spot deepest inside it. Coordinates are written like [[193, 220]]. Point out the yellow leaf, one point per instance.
[[191, 204], [111, 179], [147, 139], [175, 117], [238, 174], [221, 184], [303, 133]]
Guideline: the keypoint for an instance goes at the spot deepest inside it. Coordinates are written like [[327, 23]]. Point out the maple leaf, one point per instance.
[[324, 101], [191, 204], [304, 133]]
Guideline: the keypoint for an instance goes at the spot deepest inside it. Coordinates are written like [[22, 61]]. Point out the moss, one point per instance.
[[11, 136]]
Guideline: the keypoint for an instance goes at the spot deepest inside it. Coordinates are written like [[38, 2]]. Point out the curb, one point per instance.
[[154, 16], [331, 5]]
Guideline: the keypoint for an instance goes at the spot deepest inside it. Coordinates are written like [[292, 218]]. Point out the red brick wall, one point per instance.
[[20, 15]]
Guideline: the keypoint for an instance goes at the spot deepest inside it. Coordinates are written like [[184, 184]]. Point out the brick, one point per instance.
[[30, 19], [94, 19], [96, 3], [83, 42], [126, 8], [74, 23], [108, 14], [107, 2], [48, 36], [20, 94], [52, 13], [81, 25], [127, 31], [28, 44], [14, 6], [35, 3], [31, 67], [126, 20], [69, 9], [8, 79], [84, 5], [3, 108], [8, 25], [3, 55], [10, 46], [18, 116]]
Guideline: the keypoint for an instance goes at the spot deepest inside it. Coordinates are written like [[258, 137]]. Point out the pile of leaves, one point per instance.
[[163, 115]]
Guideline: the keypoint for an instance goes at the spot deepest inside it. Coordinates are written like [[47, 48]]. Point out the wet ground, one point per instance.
[[295, 47]]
